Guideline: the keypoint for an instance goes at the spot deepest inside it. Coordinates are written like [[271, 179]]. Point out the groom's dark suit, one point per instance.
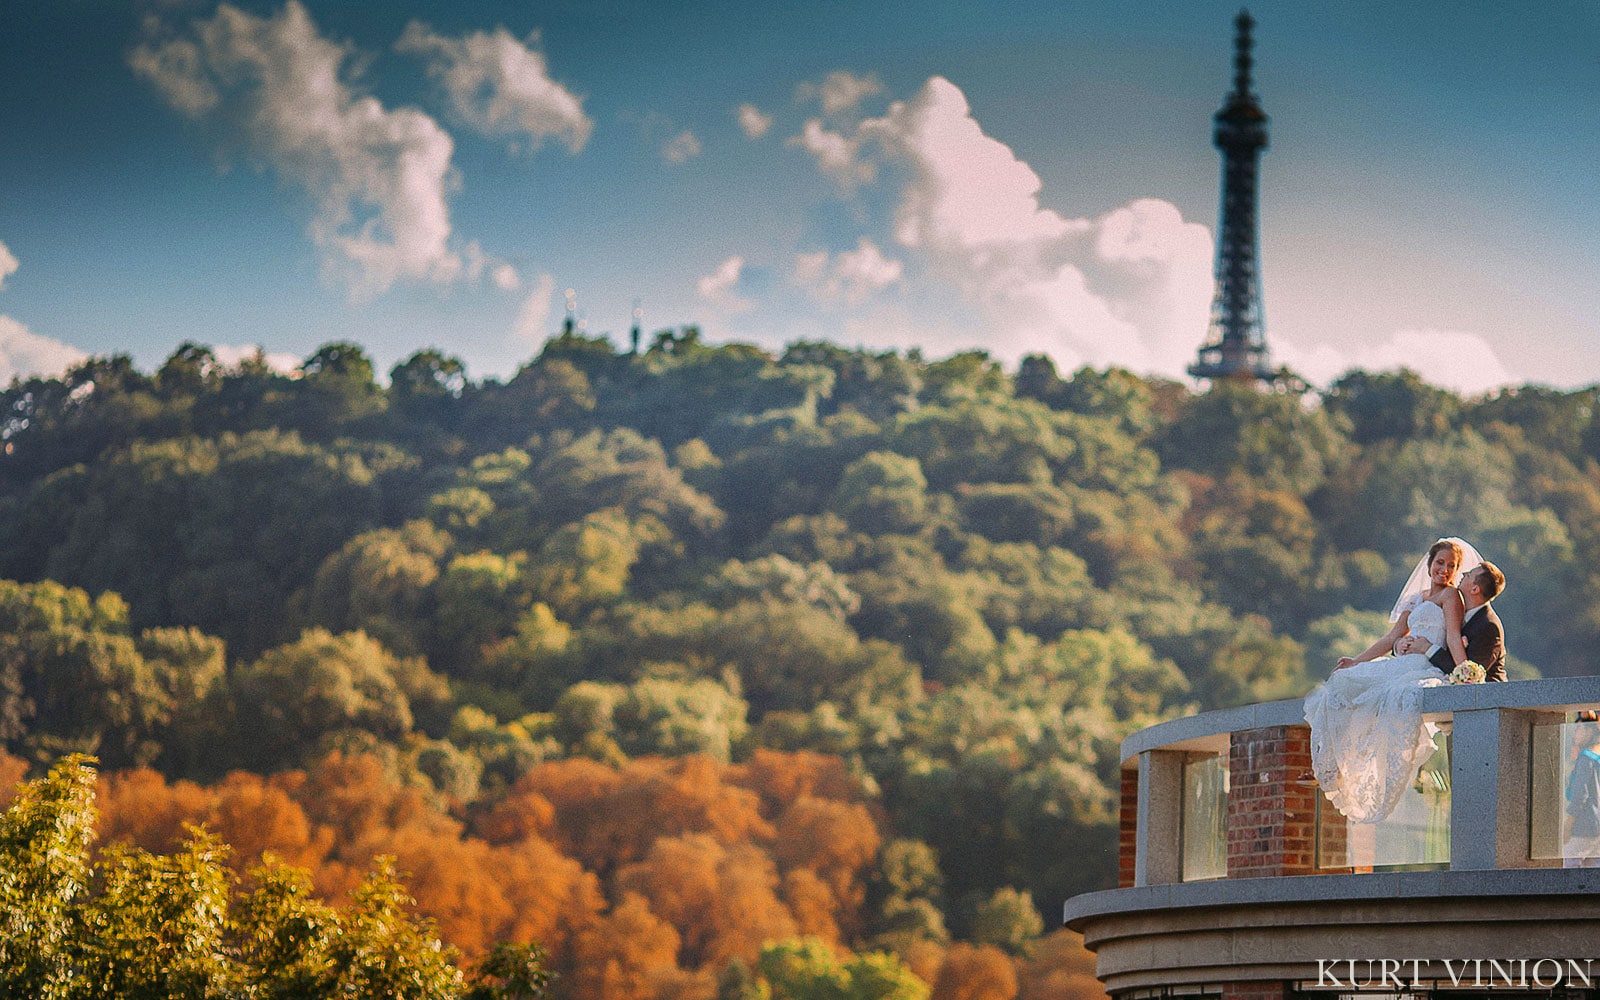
[[1486, 645]]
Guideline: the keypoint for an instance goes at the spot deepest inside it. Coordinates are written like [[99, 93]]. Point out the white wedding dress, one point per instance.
[[1368, 739]]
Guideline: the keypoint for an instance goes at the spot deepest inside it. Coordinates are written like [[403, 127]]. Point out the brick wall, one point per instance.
[[1127, 828], [1271, 814]]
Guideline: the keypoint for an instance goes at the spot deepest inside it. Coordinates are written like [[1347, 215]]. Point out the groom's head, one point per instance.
[[1487, 580]]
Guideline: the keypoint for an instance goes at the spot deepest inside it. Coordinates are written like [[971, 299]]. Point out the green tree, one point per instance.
[[883, 493], [1273, 438], [336, 390], [381, 950], [1008, 920], [156, 928], [72, 677], [380, 582], [807, 969], [1392, 406], [44, 877], [213, 533], [321, 684]]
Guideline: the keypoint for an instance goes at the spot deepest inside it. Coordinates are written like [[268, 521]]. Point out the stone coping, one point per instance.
[[1320, 889], [1209, 730]]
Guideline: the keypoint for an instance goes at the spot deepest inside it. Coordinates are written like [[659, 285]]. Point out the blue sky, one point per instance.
[[1018, 178]]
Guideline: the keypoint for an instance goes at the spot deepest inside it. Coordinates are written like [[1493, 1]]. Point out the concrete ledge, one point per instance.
[[1209, 729], [1321, 889], [1192, 729]]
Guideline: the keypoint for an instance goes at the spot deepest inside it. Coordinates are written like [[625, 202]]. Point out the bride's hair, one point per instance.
[[1453, 546]]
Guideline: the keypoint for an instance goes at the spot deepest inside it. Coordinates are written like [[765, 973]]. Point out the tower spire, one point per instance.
[[1235, 345]]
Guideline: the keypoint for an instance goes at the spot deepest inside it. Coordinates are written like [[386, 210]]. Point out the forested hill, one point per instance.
[[963, 584]]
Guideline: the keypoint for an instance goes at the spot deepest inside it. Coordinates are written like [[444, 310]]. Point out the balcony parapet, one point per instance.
[[1273, 823], [1210, 730], [1370, 887], [1263, 909]]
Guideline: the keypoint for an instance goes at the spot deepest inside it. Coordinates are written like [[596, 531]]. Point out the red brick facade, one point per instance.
[[1271, 812]]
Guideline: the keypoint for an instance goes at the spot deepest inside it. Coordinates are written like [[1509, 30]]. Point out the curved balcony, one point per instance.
[[1238, 879]]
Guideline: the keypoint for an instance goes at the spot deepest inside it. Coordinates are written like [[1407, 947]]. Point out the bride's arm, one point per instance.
[[1454, 614], [1385, 646]]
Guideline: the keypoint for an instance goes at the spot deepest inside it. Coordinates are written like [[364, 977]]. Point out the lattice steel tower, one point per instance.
[[1235, 344]]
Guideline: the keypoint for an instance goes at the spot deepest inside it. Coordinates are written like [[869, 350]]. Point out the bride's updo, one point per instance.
[[1453, 546]]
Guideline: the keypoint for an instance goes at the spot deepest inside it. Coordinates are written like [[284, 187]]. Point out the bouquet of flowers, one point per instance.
[[1470, 672]]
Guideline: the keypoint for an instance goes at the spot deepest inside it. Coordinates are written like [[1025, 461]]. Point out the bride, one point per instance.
[[1368, 739]]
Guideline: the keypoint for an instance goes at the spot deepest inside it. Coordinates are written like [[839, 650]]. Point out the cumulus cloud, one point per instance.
[[476, 263], [853, 275], [1131, 287], [838, 156], [506, 278], [24, 354], [753, 121], [379, 178], [967, 188], [681, 148], [720, 287], [233, 355], [1453, 359], [500, 86], [533, 319], [840, 91]]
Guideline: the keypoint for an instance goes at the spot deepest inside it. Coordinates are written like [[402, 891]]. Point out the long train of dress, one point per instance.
[[1368, 739]]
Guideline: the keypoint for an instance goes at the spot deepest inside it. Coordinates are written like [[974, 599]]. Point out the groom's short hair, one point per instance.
[[1490, 580]]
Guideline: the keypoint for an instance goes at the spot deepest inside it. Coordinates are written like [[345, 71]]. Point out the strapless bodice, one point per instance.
[[1427, 621]]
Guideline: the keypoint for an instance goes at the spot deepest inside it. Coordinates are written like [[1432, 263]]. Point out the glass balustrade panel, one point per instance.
[[1205, 814]]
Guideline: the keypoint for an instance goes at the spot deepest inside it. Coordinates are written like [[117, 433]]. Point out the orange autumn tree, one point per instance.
[[643, 881]]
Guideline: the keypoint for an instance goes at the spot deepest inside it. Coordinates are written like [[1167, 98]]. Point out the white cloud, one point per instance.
[[231, 355], [475, 263], [500, 86], [1452, 359], [533, 319], [967, 188], [840, 91], [720, 286], [681, 148], [1131, 287], [837, 155], [24, 353], [378, 177], [853, 275], [754, 123], [8, 264], [506, 278]]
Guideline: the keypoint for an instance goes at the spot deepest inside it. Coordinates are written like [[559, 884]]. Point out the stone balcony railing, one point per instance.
[[1237, 875]]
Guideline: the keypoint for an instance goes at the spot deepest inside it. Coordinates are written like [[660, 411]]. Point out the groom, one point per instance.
[[1480, 628]]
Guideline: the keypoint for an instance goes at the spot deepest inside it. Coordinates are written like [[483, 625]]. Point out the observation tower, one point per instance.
[[1235, 346]]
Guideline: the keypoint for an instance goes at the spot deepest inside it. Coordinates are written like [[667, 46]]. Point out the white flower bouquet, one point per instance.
[[1470, 672]]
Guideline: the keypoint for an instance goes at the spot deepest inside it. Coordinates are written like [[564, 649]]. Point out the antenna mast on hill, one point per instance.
[[1235, 346]]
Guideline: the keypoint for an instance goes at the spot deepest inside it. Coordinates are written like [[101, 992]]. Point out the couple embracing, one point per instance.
[[1368, 739]]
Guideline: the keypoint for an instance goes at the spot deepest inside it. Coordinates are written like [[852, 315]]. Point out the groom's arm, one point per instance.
[[1440, 657]]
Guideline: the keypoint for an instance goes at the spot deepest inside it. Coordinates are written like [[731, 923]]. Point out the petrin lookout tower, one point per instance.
[[1235, 346]]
